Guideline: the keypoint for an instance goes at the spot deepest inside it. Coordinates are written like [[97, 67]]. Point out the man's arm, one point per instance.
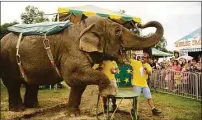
[[147, 69]]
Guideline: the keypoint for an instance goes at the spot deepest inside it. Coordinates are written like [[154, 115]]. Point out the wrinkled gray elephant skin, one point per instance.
[[75, 50]]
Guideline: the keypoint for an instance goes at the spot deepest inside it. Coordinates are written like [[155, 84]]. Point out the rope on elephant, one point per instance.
[[18, 58], [46, 46], [50, 55], [136, 26], [66, 18]]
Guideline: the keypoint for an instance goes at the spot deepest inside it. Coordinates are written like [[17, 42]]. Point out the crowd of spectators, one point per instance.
[[176, 74], [178, 65]]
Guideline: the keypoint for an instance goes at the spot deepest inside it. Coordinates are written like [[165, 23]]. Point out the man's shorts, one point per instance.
[[145, 90]]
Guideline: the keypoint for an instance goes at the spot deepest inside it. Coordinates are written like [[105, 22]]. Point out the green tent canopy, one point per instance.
[[159, 53], [90, 10]]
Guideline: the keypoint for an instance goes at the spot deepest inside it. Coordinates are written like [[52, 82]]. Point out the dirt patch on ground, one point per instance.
[[88, 110]]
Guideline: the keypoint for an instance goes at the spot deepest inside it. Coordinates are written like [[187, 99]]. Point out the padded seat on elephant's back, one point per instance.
[[47, 28]]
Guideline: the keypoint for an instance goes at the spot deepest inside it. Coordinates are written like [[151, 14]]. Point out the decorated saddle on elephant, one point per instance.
[[47, 28]]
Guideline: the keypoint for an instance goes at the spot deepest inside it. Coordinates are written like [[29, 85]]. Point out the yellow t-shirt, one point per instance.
[[139, 75], [107, 65]]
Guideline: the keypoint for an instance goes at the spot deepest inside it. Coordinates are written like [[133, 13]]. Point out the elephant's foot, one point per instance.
[[31, 104], [75, 100], [72, 112], [109, 90], [16, 108]]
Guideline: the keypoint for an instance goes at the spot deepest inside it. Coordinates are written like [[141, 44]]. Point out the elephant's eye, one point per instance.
[[118, 32]]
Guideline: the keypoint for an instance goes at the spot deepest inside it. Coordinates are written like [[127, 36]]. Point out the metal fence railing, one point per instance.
[[186, 84]]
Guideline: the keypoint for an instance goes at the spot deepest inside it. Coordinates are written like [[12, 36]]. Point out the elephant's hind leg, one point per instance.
[[75, 99], [30, 99], [15, 100]]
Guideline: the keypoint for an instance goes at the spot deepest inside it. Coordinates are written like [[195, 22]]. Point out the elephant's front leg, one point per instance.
[[89, 76], [75, 99], [78, 82]]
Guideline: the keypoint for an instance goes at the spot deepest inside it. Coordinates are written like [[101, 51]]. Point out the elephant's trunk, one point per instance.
[[138, 42]]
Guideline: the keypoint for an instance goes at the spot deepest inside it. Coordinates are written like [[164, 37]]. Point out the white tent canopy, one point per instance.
[[190, 42]]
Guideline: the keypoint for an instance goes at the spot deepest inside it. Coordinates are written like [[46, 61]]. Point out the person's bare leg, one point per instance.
[[153, 109], [114, 103], [151, 104], [104, 99]]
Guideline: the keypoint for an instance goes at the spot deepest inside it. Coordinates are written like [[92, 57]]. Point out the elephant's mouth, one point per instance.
[[122, 57]]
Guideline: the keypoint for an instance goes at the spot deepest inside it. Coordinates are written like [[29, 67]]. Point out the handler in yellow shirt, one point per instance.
[[109, 68], [141, 71]]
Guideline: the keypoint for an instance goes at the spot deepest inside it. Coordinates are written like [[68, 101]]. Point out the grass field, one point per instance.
[[173, 107]]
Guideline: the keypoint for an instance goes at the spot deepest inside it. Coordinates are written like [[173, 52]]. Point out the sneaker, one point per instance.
[[156, 111]]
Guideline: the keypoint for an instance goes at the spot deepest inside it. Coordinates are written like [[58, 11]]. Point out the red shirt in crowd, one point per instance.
[[175, 67]]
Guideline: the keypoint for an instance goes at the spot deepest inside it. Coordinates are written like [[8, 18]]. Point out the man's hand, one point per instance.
[[145, 69], [114, 70]]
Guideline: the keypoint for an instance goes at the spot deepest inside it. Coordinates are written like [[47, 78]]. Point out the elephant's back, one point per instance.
[[33, 56], [9, 40]]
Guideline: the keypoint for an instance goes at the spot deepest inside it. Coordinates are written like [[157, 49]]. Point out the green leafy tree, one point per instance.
[[161, 45], [33, 15], [4, 27]]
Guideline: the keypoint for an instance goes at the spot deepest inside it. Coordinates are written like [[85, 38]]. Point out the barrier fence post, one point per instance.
[[196, 84]]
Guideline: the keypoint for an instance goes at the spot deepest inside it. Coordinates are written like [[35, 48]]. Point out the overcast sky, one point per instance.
[[177, 18]]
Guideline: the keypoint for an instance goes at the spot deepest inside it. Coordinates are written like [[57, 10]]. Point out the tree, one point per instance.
[[161, 45], [33, 15], [4, 29]]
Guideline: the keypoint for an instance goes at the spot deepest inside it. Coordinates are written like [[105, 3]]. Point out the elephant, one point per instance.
[[75, 50]]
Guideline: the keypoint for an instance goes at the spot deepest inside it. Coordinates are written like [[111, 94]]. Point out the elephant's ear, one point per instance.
[[90, 41]]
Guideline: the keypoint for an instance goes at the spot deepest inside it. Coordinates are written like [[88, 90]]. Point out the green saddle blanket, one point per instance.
[[47, 28]]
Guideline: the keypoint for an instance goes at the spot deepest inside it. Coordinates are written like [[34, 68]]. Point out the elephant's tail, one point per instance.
[[1, 66], [0, 63]]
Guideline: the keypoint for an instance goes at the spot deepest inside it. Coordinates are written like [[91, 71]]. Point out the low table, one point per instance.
[[124, 94]]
